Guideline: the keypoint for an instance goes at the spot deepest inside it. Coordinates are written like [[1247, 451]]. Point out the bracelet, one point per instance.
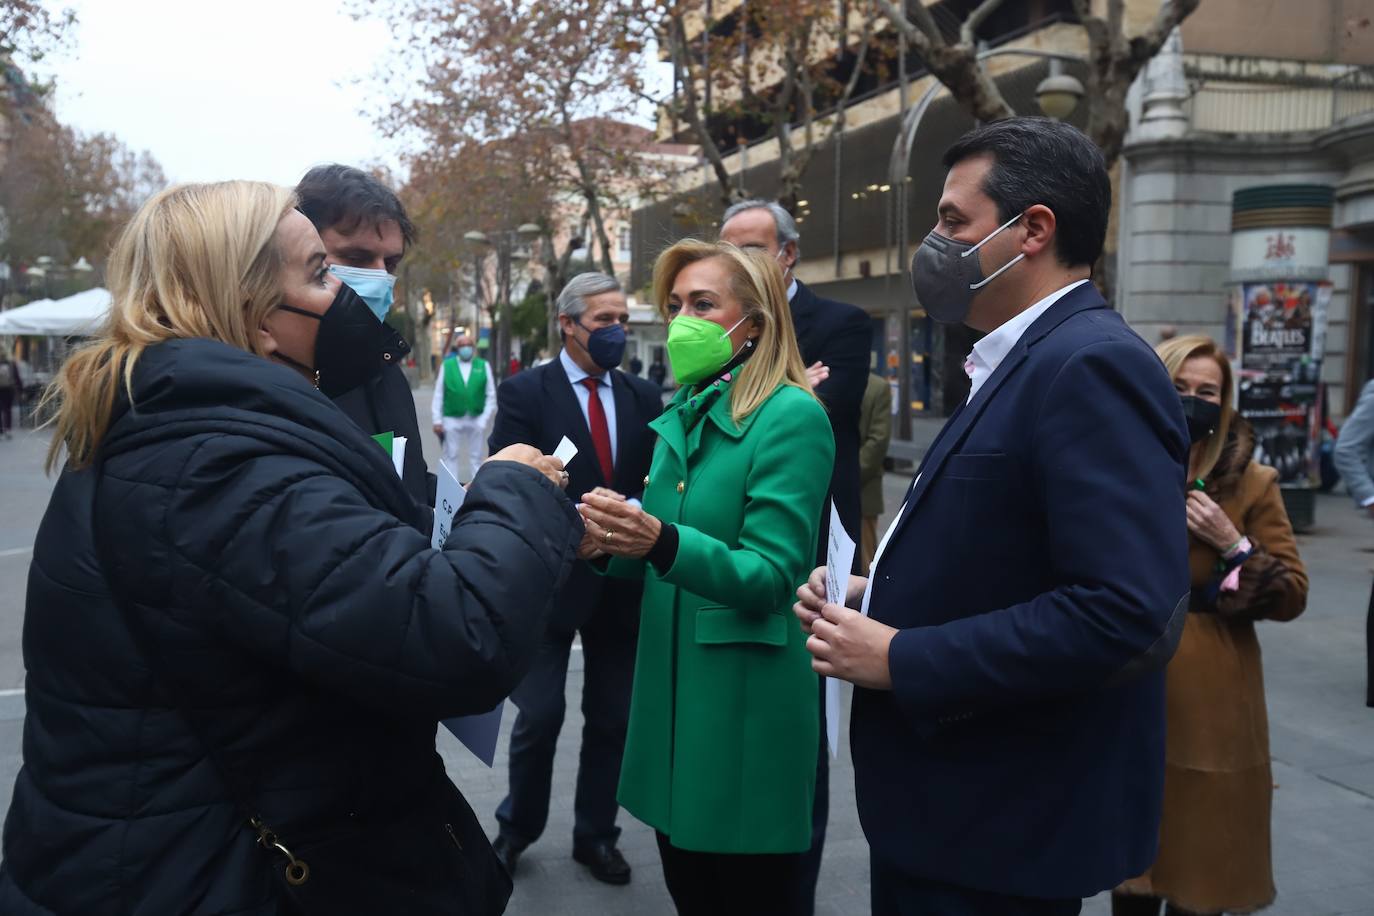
[[1239, 547]]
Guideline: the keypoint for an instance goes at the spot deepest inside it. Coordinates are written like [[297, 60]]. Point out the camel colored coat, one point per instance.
[[1214, 851]]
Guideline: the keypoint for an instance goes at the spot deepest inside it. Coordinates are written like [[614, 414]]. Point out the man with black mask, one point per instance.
[[604, 412], [366, 232]]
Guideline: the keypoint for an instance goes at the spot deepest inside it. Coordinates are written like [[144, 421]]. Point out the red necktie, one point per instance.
[[601, 433]]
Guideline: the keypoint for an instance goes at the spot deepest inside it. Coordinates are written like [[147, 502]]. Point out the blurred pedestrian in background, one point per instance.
[[463, 405], [875, 435], [1354, 459], [1214, 853], [720, 757], [11, 385], [238, 638]]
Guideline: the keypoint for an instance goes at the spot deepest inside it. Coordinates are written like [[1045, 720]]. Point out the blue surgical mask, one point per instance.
[[374, 286], [465, 354]]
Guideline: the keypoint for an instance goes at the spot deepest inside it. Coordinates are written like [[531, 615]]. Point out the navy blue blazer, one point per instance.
[[839, 335], [1039, 578], [538, 407]]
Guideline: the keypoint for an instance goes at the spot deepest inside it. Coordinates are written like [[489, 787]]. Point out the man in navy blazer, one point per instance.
[[1008, 713], [539, 407]]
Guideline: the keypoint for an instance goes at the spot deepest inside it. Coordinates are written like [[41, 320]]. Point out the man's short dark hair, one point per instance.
[[343, 198], [1041, 161]]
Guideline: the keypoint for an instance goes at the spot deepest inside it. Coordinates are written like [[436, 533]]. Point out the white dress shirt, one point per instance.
[[987, 355], [791, 289], [603, 389], [989, 352]]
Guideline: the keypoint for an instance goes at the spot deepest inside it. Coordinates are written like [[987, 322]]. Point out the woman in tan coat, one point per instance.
[[1214, 854]]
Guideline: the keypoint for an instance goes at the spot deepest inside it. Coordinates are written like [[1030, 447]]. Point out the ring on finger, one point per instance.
[[608, 535]]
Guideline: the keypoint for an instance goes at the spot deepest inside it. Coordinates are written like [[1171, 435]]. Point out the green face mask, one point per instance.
[[697, 348]]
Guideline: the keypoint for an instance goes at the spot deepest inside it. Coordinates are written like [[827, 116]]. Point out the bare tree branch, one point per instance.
[[925, 21], [922, 38], [1116, 12], [1171, 14], [956, 66], [968, 33], [691, 111]]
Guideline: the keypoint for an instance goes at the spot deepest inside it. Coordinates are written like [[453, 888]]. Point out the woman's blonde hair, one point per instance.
[[756, 281], [1177, 351], [197, 260]]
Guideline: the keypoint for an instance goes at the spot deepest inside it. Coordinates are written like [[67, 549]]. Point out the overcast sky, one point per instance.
[[258, 89]]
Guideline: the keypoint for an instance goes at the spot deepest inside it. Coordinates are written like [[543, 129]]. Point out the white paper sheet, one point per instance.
[[478, 733], [447, 500], [566, 451], [398, 455], [839, 560]]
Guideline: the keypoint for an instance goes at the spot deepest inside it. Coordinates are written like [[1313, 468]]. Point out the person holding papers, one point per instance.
[[238, 637], [464, 401], [1008, 714], [582, 397], [721, 754]]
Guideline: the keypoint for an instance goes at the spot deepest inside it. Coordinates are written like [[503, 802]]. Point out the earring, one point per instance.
[[749, 343], [317, 380]]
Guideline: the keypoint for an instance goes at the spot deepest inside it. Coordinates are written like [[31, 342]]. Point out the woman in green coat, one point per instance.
[[720, 758]]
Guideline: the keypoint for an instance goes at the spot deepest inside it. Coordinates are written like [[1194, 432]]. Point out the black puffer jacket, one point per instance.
[[312, 636]]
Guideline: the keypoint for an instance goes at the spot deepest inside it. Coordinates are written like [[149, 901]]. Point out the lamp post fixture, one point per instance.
[[1059, 93], [503, 241]]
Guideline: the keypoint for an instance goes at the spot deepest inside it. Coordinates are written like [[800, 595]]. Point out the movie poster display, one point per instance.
[[1281, 331]]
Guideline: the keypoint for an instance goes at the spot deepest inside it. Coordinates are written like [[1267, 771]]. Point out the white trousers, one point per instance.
[[465, 446]]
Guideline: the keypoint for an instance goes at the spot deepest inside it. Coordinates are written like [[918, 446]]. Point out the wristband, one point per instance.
[[1239, 547]]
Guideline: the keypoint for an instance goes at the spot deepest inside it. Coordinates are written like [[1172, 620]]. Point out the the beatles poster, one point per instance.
[[1281, 332]]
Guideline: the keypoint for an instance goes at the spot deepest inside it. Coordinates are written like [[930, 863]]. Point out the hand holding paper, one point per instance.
[[566, 451], [548, 465]]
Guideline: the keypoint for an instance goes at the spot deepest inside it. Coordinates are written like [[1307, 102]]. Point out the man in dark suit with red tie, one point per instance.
[[605, 412]]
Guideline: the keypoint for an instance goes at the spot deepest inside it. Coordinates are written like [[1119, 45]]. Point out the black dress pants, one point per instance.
[[608, 649], [896, 893], [720, 884]]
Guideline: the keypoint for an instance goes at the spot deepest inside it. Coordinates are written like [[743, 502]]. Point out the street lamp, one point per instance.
[[504, 243], [37, 272], [1059, 93]]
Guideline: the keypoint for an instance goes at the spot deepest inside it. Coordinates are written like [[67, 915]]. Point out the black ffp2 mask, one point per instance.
[[352, 346], [1203, 417]]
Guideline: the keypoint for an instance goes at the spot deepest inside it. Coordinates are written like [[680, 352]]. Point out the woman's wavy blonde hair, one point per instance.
[[197, 260], [1177, 351], [756, 281]]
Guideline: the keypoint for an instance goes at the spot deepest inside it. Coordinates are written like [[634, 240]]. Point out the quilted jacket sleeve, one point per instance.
[[296, 567]]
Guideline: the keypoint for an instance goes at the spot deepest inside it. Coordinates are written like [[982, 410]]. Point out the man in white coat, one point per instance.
[[463, 407]]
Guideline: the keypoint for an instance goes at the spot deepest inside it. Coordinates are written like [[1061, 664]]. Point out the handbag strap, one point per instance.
[[296, 872]]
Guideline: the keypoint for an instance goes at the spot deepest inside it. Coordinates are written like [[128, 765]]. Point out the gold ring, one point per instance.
[[608, 535]]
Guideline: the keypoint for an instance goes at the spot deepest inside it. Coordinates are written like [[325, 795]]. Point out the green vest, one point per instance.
[[465, 400]]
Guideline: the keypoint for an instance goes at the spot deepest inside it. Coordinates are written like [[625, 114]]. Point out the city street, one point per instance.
[[1322, 734]]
